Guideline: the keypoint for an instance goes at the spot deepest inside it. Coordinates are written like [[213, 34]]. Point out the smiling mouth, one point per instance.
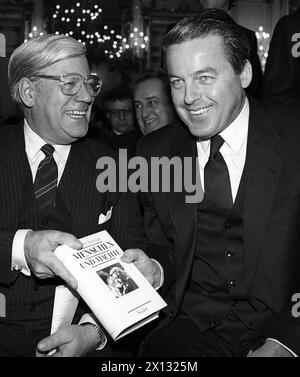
[[76, 114], [203, 110], [149, 121]]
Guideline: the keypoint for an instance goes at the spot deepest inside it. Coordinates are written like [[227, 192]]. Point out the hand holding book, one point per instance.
[[148, 267], [117, 292]]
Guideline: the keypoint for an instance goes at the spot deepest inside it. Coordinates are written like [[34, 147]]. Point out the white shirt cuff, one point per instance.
[[18, 261], [88, 317], [162, 276], [274, 340]]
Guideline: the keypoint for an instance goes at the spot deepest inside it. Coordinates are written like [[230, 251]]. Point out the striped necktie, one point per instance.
[[45, 182]]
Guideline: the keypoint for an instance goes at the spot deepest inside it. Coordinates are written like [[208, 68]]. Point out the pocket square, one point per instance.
[[104, 218]]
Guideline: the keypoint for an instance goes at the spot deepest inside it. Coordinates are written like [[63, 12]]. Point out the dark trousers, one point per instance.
[[182, 338]]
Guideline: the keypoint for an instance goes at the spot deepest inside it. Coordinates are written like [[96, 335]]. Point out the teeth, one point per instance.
[[149, 121], [76, 113], [201, 111]]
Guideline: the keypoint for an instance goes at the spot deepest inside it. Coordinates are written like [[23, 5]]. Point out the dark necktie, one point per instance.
[[216, 176], [45, 183]]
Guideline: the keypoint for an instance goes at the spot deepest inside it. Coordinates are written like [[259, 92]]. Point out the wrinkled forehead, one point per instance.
[[153, 87], [119, 103], [78, 64]]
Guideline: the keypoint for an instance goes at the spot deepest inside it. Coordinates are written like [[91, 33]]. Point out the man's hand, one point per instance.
[[271, 349], [70, 341], [38, 250], [148, 268]]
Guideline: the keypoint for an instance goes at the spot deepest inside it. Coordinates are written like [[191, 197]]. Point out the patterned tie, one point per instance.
[[45, 183], [216, 176]]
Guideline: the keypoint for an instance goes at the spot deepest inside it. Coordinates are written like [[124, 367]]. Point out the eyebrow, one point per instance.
[[200, 72], [147, 98]]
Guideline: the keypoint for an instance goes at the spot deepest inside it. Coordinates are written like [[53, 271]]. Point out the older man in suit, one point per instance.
[[230, 261], [48, 194]]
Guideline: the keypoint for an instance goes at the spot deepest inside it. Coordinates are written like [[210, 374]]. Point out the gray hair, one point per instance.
[[32, 57]]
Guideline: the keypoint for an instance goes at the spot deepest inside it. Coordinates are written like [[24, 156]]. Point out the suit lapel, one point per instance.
[[262, 172], [87, 202], [184, 215]]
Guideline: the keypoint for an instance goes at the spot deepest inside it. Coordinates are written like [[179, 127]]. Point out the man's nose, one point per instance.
[[121, 114], [192, 93], [84, 95], [145, 111]]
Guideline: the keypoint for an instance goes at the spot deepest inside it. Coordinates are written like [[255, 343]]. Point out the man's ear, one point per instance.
[[27, 92], [246, 75]]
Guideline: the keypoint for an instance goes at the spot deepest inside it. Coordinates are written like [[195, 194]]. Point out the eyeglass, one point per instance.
[[71, 83], [117, 112]]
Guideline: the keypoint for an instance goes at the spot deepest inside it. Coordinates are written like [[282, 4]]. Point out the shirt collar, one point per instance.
[[236, 133], [33, 144]]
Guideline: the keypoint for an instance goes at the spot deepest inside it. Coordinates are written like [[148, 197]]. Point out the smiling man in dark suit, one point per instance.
[[230, 263], [48, 194]]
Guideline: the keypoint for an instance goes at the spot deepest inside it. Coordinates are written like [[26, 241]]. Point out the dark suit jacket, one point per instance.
[[271, 220], [282, 72], [87, 204], [126, 140]]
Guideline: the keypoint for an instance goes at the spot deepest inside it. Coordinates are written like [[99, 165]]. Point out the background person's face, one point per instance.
[[152, 105], [120, 114], [56, 117], [207, 93]]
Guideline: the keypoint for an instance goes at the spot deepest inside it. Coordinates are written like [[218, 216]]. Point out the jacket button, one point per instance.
[[227, 226], [212, 323], [233, 283], [234, 304], [229, 254], [171, 315]]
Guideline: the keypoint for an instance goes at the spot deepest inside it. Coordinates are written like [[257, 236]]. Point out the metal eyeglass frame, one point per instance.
[[83, 81]]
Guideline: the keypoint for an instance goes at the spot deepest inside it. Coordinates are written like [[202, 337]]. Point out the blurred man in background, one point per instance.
[[152, 101]]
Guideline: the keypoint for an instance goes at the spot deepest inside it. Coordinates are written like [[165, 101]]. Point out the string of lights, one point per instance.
[[82, 21], [263, 41]]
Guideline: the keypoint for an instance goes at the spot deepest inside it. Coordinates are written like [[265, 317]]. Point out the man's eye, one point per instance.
[[205, 78], [153, 102], [177, 84], [70, 83], [138, 106]]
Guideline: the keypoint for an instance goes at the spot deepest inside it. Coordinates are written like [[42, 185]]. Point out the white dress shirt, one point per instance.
[[233, 150]]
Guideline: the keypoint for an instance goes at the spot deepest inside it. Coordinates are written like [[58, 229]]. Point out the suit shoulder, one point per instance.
[[10, 129], [10, 132], [99, 149], [159, 141], [288, 22]]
